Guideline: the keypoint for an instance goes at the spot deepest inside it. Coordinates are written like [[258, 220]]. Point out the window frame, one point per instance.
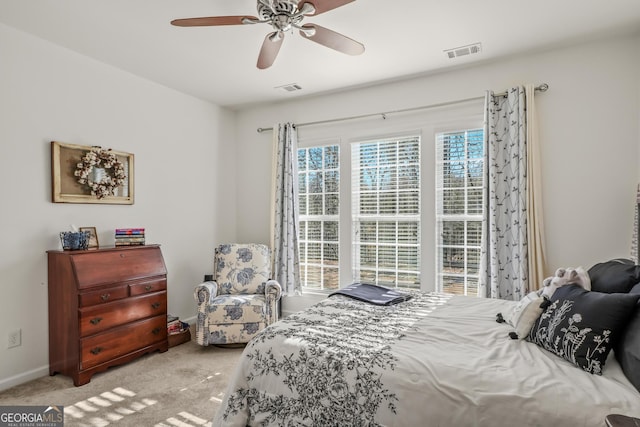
[[464, 217], [358, 218], [305, 242], [426, 123]]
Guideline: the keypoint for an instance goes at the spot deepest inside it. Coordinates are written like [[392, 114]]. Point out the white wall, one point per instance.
[[183, 150], [589, 134], [186, 149]]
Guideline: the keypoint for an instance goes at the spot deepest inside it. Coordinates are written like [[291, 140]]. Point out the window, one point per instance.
[[459, 206], [319, 186], [386, 212], [368, 201]]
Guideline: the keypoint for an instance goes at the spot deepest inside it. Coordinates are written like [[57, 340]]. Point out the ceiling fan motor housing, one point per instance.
[[282, 15], [282, 7]]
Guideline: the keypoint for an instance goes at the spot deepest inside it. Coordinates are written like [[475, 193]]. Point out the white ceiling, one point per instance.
[[402, 38]]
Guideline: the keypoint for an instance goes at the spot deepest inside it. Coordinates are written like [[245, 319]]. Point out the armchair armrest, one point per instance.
[[272, 293], [273, 289], [205, 292]]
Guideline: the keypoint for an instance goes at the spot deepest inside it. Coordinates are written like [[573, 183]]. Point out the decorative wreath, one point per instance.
[[105, 159]]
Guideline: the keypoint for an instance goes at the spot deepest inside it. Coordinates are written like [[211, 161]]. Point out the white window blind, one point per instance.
[[386, 212], [459, 205], [319, 187]]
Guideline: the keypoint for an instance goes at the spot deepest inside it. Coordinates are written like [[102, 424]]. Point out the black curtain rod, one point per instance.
[[542, 88]]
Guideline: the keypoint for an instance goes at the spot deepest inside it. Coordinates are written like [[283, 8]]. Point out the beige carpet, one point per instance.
[[181, 387]]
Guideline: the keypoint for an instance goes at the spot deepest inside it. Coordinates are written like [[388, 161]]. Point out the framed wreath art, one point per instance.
[[93, 171], [84, 174]]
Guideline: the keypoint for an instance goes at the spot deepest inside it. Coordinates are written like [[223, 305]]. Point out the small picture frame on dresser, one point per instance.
[[93, 237]]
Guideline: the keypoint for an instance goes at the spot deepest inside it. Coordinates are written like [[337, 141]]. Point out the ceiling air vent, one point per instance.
[[291, 87], [464, 50]]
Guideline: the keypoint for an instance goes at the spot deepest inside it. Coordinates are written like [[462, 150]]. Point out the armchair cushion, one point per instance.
[[232, 333], [242, 268], [237, 308]]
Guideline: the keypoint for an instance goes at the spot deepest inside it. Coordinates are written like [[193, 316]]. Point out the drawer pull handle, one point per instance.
[[96, 351], [148, 288], [95, 320], [122, 255], [155, 305], [156, 331], [105, 297]]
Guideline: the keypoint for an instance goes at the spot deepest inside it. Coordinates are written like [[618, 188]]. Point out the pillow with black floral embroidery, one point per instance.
[[628, 349], [582, 326]]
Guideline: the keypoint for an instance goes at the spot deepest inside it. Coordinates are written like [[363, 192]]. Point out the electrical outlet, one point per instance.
[[14, 339]]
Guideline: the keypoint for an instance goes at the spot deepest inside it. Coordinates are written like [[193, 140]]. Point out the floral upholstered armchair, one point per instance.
[[241, 300]]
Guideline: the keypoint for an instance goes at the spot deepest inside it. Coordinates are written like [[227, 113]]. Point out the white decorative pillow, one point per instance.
[[525, 313]]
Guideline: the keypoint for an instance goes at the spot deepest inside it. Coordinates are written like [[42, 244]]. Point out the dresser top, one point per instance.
[[102, 249]]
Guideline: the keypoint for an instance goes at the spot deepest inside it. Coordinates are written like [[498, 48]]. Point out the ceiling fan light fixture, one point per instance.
[[307, 9], [246, 21], [308, 30], [277, 36]]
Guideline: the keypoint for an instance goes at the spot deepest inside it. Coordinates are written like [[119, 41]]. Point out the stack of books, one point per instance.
[[177, 331], [174, 324], [129, 236]]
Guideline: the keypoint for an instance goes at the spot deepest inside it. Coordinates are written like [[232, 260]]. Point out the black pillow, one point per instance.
[[628, 349], [617, 275], [582, 326]]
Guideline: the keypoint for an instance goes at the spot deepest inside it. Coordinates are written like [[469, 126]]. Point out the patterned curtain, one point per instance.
[[504, 258], [286, 256]]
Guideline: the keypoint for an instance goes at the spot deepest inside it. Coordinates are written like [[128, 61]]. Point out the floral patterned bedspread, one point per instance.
[[435, 360]]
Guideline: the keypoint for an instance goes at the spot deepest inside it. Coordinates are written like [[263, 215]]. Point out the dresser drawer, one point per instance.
[[119, 341], [147, 286], [103, 296], [104, 316], [117, 265]]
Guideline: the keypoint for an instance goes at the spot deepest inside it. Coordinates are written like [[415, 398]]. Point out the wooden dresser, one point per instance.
[[106, 307]]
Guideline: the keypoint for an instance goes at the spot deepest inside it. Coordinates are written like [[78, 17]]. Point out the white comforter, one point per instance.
[[436, 360]]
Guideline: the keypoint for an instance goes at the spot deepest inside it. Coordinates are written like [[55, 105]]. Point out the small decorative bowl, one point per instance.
[[74, 240]]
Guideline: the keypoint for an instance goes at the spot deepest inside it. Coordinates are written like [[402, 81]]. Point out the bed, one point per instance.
[[434, 360]]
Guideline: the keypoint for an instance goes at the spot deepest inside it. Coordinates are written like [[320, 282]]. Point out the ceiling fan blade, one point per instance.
[[322, 6], [212, 20], [270, 49], [331, 39]]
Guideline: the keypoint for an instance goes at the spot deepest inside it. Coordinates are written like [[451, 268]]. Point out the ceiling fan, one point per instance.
[[285, 15]]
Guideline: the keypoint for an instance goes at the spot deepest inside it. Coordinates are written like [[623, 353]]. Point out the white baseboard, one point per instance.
[[190, 320], [24, 377]]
